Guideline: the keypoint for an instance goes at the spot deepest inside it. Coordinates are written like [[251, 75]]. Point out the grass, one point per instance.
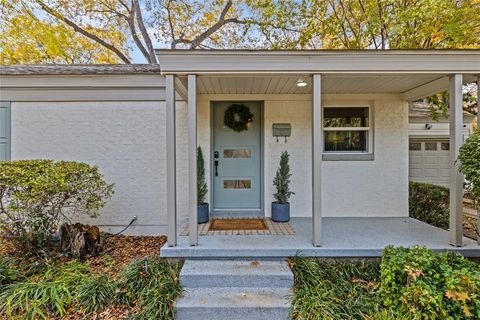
[[56, 290], [340, 290]]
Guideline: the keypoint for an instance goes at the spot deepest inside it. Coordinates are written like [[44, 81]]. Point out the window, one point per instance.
[[237, 184], [237, 153], [445, 146], [415, 146], [431, 146], [347, 130]]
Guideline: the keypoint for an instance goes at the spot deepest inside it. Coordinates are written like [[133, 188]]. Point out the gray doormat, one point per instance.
[[273, 228]]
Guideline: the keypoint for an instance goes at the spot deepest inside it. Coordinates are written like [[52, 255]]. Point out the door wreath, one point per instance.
[[238, 117]]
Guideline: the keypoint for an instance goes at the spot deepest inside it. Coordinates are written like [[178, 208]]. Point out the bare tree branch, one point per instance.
[[143, 31]]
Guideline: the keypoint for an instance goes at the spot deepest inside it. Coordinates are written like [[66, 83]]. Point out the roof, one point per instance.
[[79, 69], [420, 109]]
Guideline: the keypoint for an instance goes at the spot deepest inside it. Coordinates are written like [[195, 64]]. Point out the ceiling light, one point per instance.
[[301, 83]]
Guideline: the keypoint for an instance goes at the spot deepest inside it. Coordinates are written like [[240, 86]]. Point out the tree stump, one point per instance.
[[80, 240]]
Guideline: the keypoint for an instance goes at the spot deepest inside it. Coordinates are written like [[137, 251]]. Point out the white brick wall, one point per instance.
[[125, 139], [350, 188]]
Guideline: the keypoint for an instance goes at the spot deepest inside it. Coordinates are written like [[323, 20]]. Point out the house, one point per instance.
[[429, 144], [348, 115]]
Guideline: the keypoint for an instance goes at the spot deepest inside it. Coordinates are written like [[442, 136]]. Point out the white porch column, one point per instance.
[[192, 158], [317, 137], [171, 158], [456, 178]]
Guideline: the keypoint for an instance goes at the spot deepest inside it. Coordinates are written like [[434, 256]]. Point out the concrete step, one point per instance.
[[236, 273], [234, 303]]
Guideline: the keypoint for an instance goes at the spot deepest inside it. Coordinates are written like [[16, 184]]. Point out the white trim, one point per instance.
[[326, 62], [317, 147], [456, 178], [171, 162], [192, 158]]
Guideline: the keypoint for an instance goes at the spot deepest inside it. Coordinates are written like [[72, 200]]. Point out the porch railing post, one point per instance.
[[456, 178], [317, 137], [171, 158], [192, 158]]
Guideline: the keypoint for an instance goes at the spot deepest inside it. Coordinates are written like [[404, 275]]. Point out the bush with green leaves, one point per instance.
[[282, 180], [469, 164], [37, 195], [429, 203], [201, 180], [418, 284]]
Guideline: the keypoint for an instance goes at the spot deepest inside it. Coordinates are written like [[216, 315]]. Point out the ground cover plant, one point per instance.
[[407, 284], [127, 280]]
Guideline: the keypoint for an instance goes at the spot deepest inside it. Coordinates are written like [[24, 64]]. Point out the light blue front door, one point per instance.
[[236, 162]]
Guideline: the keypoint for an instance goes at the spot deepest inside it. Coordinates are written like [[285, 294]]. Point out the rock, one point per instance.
[[80, 240]]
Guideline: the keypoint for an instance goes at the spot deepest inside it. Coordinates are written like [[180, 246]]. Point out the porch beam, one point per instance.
[[181, 88], [456, 178], [171, 158], [317, 136], [192, 158], [426, 89]]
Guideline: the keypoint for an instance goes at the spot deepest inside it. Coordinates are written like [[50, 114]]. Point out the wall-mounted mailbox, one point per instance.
[[282, 130]]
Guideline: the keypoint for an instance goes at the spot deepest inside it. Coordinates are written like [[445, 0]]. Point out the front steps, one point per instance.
[[235, 289]]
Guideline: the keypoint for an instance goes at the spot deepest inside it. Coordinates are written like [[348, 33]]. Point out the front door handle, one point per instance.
[[216, 155]]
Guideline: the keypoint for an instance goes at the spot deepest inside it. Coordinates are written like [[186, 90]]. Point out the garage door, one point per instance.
[[429, 161]]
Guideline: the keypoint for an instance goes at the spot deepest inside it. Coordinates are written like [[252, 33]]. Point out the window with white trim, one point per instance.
[[347, 129]]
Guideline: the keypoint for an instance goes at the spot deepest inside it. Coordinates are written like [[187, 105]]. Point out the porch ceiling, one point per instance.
[[286, 84]]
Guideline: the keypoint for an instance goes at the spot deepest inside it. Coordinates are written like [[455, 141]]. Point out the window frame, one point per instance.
[[350, 155]]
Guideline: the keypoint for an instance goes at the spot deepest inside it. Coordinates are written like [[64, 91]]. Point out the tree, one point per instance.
[[282, 180]]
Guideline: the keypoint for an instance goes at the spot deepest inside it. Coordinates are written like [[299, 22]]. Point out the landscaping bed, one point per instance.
[[405, 284], [127, 280]]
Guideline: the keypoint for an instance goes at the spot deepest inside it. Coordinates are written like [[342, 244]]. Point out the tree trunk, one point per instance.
[[80, 240]]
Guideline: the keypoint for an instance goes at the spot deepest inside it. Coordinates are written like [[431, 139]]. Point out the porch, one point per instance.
[[375, 178], [341, 237]]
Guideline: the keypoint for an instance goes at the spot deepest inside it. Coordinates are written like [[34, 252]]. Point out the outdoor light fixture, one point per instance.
[[428, 126], [301, 83]]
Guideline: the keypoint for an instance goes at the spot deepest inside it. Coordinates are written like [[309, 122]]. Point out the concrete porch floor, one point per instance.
[[342, 237]]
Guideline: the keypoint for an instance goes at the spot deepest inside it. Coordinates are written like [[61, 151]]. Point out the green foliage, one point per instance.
[[469, 164], [282, 180], [201, 181], [95, 292], [37, 195], [9, 271], [153, 284], [342, 290], [429, 203], [43, 295], [422, 285]]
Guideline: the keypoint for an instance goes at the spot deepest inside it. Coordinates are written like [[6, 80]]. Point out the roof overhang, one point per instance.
[[440, 62]]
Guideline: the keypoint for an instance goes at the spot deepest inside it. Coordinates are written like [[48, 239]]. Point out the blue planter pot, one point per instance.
[[280, 212], [202, 213]]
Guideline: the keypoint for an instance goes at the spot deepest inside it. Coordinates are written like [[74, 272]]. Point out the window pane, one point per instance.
[[430, 146], [415, 146], [237, 184], [346, 140], [345, 117], [445, 146], [237, 153]]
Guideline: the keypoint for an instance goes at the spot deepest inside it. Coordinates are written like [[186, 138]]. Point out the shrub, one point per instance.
[[36, 195], [469, 164], [282, 180], [418, 284], [429, 203]]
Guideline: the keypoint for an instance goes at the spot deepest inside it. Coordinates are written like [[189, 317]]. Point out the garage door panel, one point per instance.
[[430, 166]]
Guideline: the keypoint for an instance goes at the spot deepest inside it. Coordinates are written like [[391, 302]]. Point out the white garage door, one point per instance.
[[429, 161]]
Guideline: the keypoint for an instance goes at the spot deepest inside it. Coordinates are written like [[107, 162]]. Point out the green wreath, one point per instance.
[[237, 117]]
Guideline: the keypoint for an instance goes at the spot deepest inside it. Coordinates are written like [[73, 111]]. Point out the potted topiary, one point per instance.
[[202, 206], [281, 206]]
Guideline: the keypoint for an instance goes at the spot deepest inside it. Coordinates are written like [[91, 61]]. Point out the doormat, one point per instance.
[[237, 224], [273, 228]]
